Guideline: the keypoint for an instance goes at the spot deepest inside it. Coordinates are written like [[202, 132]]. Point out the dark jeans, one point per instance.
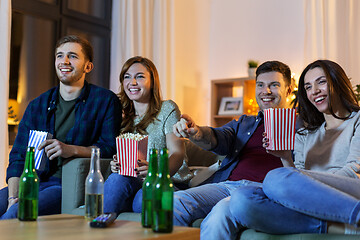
[[49, 199], [120, 192], [123, 194]]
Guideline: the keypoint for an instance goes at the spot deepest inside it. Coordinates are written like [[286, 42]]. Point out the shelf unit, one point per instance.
[[227, 88]]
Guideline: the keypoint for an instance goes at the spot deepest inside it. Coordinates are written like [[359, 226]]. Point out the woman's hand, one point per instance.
[[114, 165], [142, 168], [284, 155]]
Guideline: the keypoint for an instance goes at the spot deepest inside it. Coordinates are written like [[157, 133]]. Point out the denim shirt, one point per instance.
[[231, 139], [97, 123]]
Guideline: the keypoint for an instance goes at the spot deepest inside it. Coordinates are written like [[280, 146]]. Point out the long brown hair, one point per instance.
[[154, 106], [338, 84]]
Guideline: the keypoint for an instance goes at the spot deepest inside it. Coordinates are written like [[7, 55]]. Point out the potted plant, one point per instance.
[[252, 65], [357, 92]]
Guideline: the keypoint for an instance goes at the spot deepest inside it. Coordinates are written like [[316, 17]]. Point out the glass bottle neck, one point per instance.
[[164, 163], [30, 159], [95, 160], [153, 161]]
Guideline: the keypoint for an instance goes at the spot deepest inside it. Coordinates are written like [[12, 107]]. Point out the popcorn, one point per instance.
[[280, 128], [130, 147], [133, 136], [35, 139]]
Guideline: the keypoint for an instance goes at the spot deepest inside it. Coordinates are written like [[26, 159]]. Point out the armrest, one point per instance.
[[74, 174], [198, 156], [203, 173]]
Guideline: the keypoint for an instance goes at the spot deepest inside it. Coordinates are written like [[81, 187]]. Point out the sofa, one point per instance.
[[74, 173], [73, 192]]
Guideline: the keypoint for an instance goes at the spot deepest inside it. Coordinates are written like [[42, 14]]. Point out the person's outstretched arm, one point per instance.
[[204, 137]]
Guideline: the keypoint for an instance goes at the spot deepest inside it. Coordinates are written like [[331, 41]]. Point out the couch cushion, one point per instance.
[[198, 156], [130, 216], [251, 234]]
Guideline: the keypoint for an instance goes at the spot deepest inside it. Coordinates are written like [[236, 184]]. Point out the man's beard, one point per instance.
[[67, 80]]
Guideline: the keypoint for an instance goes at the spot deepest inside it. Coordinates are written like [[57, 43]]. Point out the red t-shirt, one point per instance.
[[254, 162]]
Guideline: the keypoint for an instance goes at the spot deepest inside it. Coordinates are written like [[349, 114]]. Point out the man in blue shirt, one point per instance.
[[79, 115], [246, 161]]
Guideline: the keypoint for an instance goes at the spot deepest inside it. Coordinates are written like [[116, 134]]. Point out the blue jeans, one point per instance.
[[290, 201], [49, 199], [122, 194], [197, 202], [219, 223]]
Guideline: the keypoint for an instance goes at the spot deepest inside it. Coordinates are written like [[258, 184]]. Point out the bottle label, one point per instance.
[[167, 200]]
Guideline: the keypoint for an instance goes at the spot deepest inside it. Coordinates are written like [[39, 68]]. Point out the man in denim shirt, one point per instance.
[[246, 162], [78, 115]]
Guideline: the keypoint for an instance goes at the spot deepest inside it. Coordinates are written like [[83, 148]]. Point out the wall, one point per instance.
[[215, 39], [262, 30], [191, 45]]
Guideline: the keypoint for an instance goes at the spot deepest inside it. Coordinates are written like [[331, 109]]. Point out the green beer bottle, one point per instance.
[[28, 189], [163, 197], [147, 188]]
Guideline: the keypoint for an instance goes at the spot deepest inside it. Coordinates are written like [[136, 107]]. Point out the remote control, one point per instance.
[[104, 220]]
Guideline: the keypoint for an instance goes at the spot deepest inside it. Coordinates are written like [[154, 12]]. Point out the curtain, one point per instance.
[[332, 32], [143, 27], [5, 32]]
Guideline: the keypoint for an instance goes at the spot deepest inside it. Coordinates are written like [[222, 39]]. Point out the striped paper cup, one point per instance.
[[35, 139], [128, 152], [280, 128]]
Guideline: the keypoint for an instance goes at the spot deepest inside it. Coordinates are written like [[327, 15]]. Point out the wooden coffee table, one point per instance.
[[69, 227]]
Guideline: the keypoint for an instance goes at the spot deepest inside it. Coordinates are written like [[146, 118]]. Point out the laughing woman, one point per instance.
[[319, 192], [143, 112]]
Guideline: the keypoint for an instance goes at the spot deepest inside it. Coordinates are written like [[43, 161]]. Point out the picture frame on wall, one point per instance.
[[231, 106]]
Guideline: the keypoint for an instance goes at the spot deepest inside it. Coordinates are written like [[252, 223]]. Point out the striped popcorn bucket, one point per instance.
[[35, 139], [280, 128], [128, 153]]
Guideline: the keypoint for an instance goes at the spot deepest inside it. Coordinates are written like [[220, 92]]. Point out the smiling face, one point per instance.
[[137, 83], [316, 87], [71, 64], [271, 90]]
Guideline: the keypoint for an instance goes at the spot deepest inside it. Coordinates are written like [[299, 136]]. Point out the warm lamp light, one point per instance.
[[294, 82], [253, 107], [13, 112], [237, 91]]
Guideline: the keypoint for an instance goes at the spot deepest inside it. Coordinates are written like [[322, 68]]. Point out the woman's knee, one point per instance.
[[117, 181], [137, 202], [278, 182], [222, 207], [115, 178]]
